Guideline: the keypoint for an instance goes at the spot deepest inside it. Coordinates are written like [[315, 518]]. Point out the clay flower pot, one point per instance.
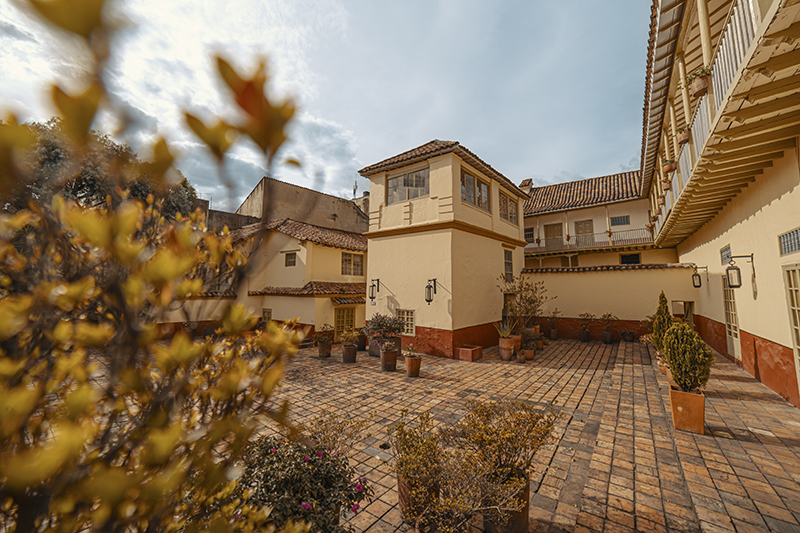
[[667, 185], [608, 336], [553, 334], [362, 342], [661, 201], [584, 335], [349, 352], [688, 410], [540, 344], [324, 349], [506, 345], [520, 356], [389, 360], [518, 521], [529, 354], [413, 363], [698, 86], [517, 341], [669, 167], [682, 137]]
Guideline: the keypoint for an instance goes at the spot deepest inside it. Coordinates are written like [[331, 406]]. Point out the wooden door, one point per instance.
[[553, 237], [343, 318], [584, 233], [731, 321]]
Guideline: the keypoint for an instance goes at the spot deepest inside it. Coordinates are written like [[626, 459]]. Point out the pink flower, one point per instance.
[[359, 487], [273, 450], [319, 453], [355, 508], [306, 506], [306, 458]]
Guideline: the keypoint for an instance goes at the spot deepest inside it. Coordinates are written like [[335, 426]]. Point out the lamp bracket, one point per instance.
[[434, 284], [749, 258], [378, 284]]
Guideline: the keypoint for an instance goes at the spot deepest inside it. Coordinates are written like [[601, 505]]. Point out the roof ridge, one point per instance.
[[287, 219]]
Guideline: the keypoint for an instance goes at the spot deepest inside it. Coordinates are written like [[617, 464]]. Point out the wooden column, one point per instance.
[[708, 51], [687, 108], [673, 126]]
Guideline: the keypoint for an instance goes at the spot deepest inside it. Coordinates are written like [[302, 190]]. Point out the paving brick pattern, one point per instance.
[[619, 465]]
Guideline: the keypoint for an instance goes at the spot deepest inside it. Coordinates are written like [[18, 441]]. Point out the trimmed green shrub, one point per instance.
[[661, 323], [689, 357]]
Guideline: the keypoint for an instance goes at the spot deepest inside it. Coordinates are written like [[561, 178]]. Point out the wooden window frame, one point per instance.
[[477, 195], [626, 218], [509, 202], [508, 265], [349, 264], [639, 262], [290, 259]]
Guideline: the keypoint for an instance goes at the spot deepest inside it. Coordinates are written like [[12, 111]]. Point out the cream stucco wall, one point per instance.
[[404, 264], [628, 294], [325, 264], [288, 307], [269, 263], [751, 223]]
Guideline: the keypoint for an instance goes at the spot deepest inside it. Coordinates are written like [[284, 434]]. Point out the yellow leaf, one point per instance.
[[236, 320], [218, 138], [90, 224], [271, 378], [16, 405], [181, 352], [162, 442], [14, 312], [31, 467], [166, 265], [89, 334], [80, 402], [78, 16], [78, 112], [162, 161], [189, 287]]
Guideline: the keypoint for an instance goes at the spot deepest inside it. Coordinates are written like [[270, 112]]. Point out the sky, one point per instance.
[[536, 88]]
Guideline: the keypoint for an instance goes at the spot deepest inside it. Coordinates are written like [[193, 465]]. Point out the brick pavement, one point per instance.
[[619, 464]]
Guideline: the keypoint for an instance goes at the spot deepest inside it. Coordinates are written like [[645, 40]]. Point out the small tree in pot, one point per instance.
[[529, 298], [586, 320], [552, 318], [382, 328], [690, 361], [608, 333], [349, 346], [324, 338]]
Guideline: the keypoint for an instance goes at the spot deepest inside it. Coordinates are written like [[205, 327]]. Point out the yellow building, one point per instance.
[[732, 195], [439, 216]]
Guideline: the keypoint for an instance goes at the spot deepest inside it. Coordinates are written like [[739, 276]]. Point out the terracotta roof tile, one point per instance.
[[226, 294], [583, 193], [435, 148], [603, 268], [314, 288], [348, 301], [334, 238]]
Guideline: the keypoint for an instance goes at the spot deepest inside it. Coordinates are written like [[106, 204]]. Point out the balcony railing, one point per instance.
[[593, 240], [733, 45]]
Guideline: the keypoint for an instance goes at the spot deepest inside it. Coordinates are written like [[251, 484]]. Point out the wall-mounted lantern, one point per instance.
[[697, 282], [734, 274], [430, 290], [374, 287]]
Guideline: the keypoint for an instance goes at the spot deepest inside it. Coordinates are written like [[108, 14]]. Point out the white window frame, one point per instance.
[[791, 239], [409, 322], [484, 204]]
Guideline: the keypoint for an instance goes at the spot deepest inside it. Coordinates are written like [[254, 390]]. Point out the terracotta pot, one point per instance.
[[670, 380], [529, 354], [553, 334], [683, 137], [349, 352], [546, 340], [540, 344], [375, 344], [688, 410], [661, 201], [608, 336], [518, 521], [667, 185], [669, 168], [388, 360], [362, 342], [584, 335], [520, 356], [517, 341], [506, 345], [412, 366], [470, 352], [404, 497], [662, 368], [698, 87], [324, 349], [531, 332], [629, 336]]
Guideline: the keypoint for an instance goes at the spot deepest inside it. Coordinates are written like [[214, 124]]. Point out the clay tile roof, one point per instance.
[[435, 148], [583, 193], [603, 268], [334, 238], [226, 294], [314, 288], [348, 301]]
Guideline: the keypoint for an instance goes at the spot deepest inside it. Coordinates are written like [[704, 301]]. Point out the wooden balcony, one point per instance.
[[627, 239], [755, 84]]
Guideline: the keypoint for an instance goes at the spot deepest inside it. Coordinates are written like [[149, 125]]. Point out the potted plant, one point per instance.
[[529, 349], [585, 319], [690, 361], [506, 343], [682, 134], [653, 219], [660, 323], [529, 297], [660, 200], [628, 335], [388, 356], [608, 334], [413, 361], [697, 81], [666, 184], [668, 165], [349, 348], [552, 318], [382, 328], [540, 342], [324, 338]]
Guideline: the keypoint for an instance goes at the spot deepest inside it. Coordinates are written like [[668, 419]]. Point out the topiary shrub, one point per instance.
[[662, 321], [689, 357]]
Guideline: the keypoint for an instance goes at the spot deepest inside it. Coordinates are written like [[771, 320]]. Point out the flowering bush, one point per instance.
[[383, 325], [300, 482]]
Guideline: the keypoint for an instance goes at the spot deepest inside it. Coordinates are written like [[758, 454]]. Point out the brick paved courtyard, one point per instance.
[[619, 464]]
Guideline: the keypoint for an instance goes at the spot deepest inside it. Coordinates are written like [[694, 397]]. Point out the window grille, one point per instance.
[[508, 260], [629, 259], [621, 221], [352, 264], [726, 254], [790, 242], [529, 235], [291, 259], [407, 316]]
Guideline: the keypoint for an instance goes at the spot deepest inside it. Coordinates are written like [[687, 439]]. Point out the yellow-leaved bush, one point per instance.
[[111, 419]]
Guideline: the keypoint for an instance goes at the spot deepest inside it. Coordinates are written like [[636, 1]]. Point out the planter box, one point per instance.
[[470, 353], [698, 87], [688, 410], [683, 137]]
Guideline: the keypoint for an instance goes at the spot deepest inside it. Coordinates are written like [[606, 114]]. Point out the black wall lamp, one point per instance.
[[374, 287], [430, 290], [697, 282], [733, 273]]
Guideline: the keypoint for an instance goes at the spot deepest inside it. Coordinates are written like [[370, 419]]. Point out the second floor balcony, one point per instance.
[[632, 238]]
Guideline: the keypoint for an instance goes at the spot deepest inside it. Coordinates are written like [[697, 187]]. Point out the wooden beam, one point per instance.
[[717, 171], [762, 126], [764, 138], [791, 33], [773, 88], [744, 153], [778, 63], [742, 174], [743, 162], [760, 110]]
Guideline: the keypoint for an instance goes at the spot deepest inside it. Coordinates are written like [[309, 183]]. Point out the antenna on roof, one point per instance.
[[355, 186]]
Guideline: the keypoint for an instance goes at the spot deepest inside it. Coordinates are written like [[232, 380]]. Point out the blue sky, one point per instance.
[[542, 89]]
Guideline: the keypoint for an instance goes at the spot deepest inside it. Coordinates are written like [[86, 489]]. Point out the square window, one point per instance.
[[408, 186], [266, 314], [291, 259], [508, 208], [629, 259], [352, 264], [621, 221], [407, 316], [725, 254]]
